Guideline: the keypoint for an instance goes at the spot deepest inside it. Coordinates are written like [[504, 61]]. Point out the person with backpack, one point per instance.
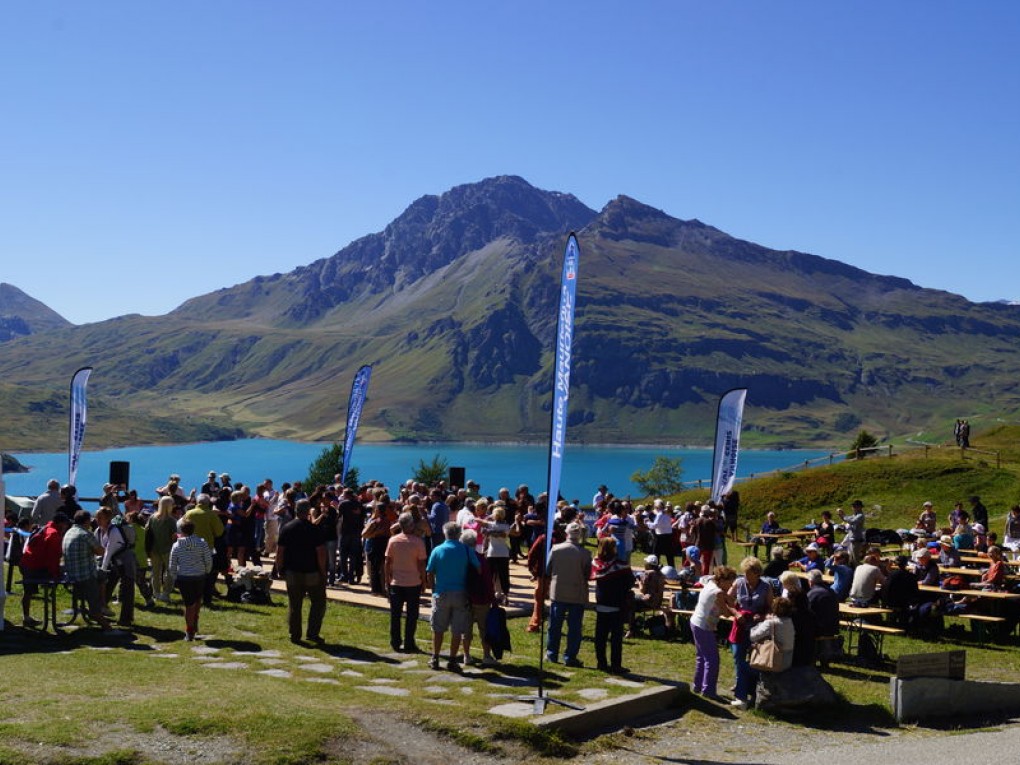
[[117, 537], [40, 561]]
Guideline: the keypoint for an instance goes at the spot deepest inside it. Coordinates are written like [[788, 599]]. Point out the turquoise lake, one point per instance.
[[492, 466]]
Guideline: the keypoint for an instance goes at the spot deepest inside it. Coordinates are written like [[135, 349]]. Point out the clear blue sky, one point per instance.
[[154, 151]]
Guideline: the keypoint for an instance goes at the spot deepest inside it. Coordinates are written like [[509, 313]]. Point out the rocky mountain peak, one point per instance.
[[22, 315]]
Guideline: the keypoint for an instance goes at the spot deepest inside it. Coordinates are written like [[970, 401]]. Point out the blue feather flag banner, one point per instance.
[[727, 441], [561, 387], [359, 390], [76, 426]]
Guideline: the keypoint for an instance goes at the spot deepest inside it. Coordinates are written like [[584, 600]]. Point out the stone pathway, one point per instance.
[[393, 674]]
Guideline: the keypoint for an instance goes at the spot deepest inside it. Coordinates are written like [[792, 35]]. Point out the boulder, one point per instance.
[[793, 689]]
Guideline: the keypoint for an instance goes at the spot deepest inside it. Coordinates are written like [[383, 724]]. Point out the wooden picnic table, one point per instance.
[[789, 534], [984, 560], [990, 594], [854, 619]]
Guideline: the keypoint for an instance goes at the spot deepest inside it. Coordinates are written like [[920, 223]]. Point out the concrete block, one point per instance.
[[924, 698], [614, 712]]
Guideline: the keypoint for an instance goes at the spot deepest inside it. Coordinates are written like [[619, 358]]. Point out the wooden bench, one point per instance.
[[980, 624], [879, 631], [48, 588]]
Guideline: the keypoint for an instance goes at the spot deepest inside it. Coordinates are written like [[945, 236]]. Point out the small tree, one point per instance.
[[327, 465], [430, 473], [662, 479], [861, 444]]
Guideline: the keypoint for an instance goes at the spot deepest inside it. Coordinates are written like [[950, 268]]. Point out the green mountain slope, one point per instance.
[[453, 303]]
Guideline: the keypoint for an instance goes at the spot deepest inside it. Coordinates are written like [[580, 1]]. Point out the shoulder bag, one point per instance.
[[766, 656]]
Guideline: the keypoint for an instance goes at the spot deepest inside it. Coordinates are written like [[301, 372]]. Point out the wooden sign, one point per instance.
[[950, 664]]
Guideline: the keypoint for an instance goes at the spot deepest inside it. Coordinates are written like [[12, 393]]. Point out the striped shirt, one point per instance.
[[190, 557]]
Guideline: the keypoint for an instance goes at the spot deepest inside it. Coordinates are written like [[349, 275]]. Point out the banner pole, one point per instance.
[[557, 439]]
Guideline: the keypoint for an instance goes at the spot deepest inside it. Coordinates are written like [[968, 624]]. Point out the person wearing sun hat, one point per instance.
[[948, 554], [812, 559]]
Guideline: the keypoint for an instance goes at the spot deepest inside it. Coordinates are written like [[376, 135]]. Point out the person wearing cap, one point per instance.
[[854, 541], [812, 559], [948, 554], [926, 568], [926, 521], [211, 485], [40, 561], [567, 576]]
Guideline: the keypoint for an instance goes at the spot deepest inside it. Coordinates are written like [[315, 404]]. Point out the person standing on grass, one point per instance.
[[854, 541], [613, 582], [404, 576], [480, 599], [80, 548], [568, 572], [188, 568], [160, 535], [208, 526], [713, 602], [47, 504], [301, 560], [447, 571], [752, 597]]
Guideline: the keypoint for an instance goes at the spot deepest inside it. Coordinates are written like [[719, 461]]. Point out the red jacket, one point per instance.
[[45, 552]]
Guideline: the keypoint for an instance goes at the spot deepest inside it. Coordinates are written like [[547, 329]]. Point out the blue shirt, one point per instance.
[[439, 514], [448, 564], [842, 578], [810, 565]]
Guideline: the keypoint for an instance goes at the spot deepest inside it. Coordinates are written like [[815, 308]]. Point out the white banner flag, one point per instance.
[[79, 412], [727, 441]]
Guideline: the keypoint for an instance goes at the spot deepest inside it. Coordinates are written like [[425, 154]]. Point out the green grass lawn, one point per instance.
[[59, 691], [127, 695]]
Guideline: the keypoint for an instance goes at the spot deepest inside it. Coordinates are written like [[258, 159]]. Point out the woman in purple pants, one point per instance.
[[713, 601]]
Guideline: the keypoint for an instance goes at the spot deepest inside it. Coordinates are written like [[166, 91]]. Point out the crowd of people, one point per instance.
[[457, 545]]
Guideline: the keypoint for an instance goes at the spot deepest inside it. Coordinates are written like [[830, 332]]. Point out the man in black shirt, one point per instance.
[[352, 523], [301, 557]]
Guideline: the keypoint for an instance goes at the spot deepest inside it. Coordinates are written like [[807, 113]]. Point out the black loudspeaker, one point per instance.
[[120, 473], [457, 477]]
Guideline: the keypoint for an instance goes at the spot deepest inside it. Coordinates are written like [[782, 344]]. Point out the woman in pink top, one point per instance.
[[404, 569]]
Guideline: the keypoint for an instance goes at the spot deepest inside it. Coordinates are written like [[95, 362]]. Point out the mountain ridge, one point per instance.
[[452, 302]]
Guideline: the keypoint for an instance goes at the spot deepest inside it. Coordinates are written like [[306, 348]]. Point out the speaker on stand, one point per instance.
[[120, 474], [457, 477]]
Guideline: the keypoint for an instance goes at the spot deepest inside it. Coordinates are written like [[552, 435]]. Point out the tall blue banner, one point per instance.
[[359, 389], [561, 387], [727, 441], [78, 416]]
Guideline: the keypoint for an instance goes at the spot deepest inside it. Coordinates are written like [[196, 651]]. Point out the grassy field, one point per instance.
[[246, 694]]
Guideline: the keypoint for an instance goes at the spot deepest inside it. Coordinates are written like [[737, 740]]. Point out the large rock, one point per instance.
[[795, 688]]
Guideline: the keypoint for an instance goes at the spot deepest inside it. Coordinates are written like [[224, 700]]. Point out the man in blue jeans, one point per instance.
[[568, 570]]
